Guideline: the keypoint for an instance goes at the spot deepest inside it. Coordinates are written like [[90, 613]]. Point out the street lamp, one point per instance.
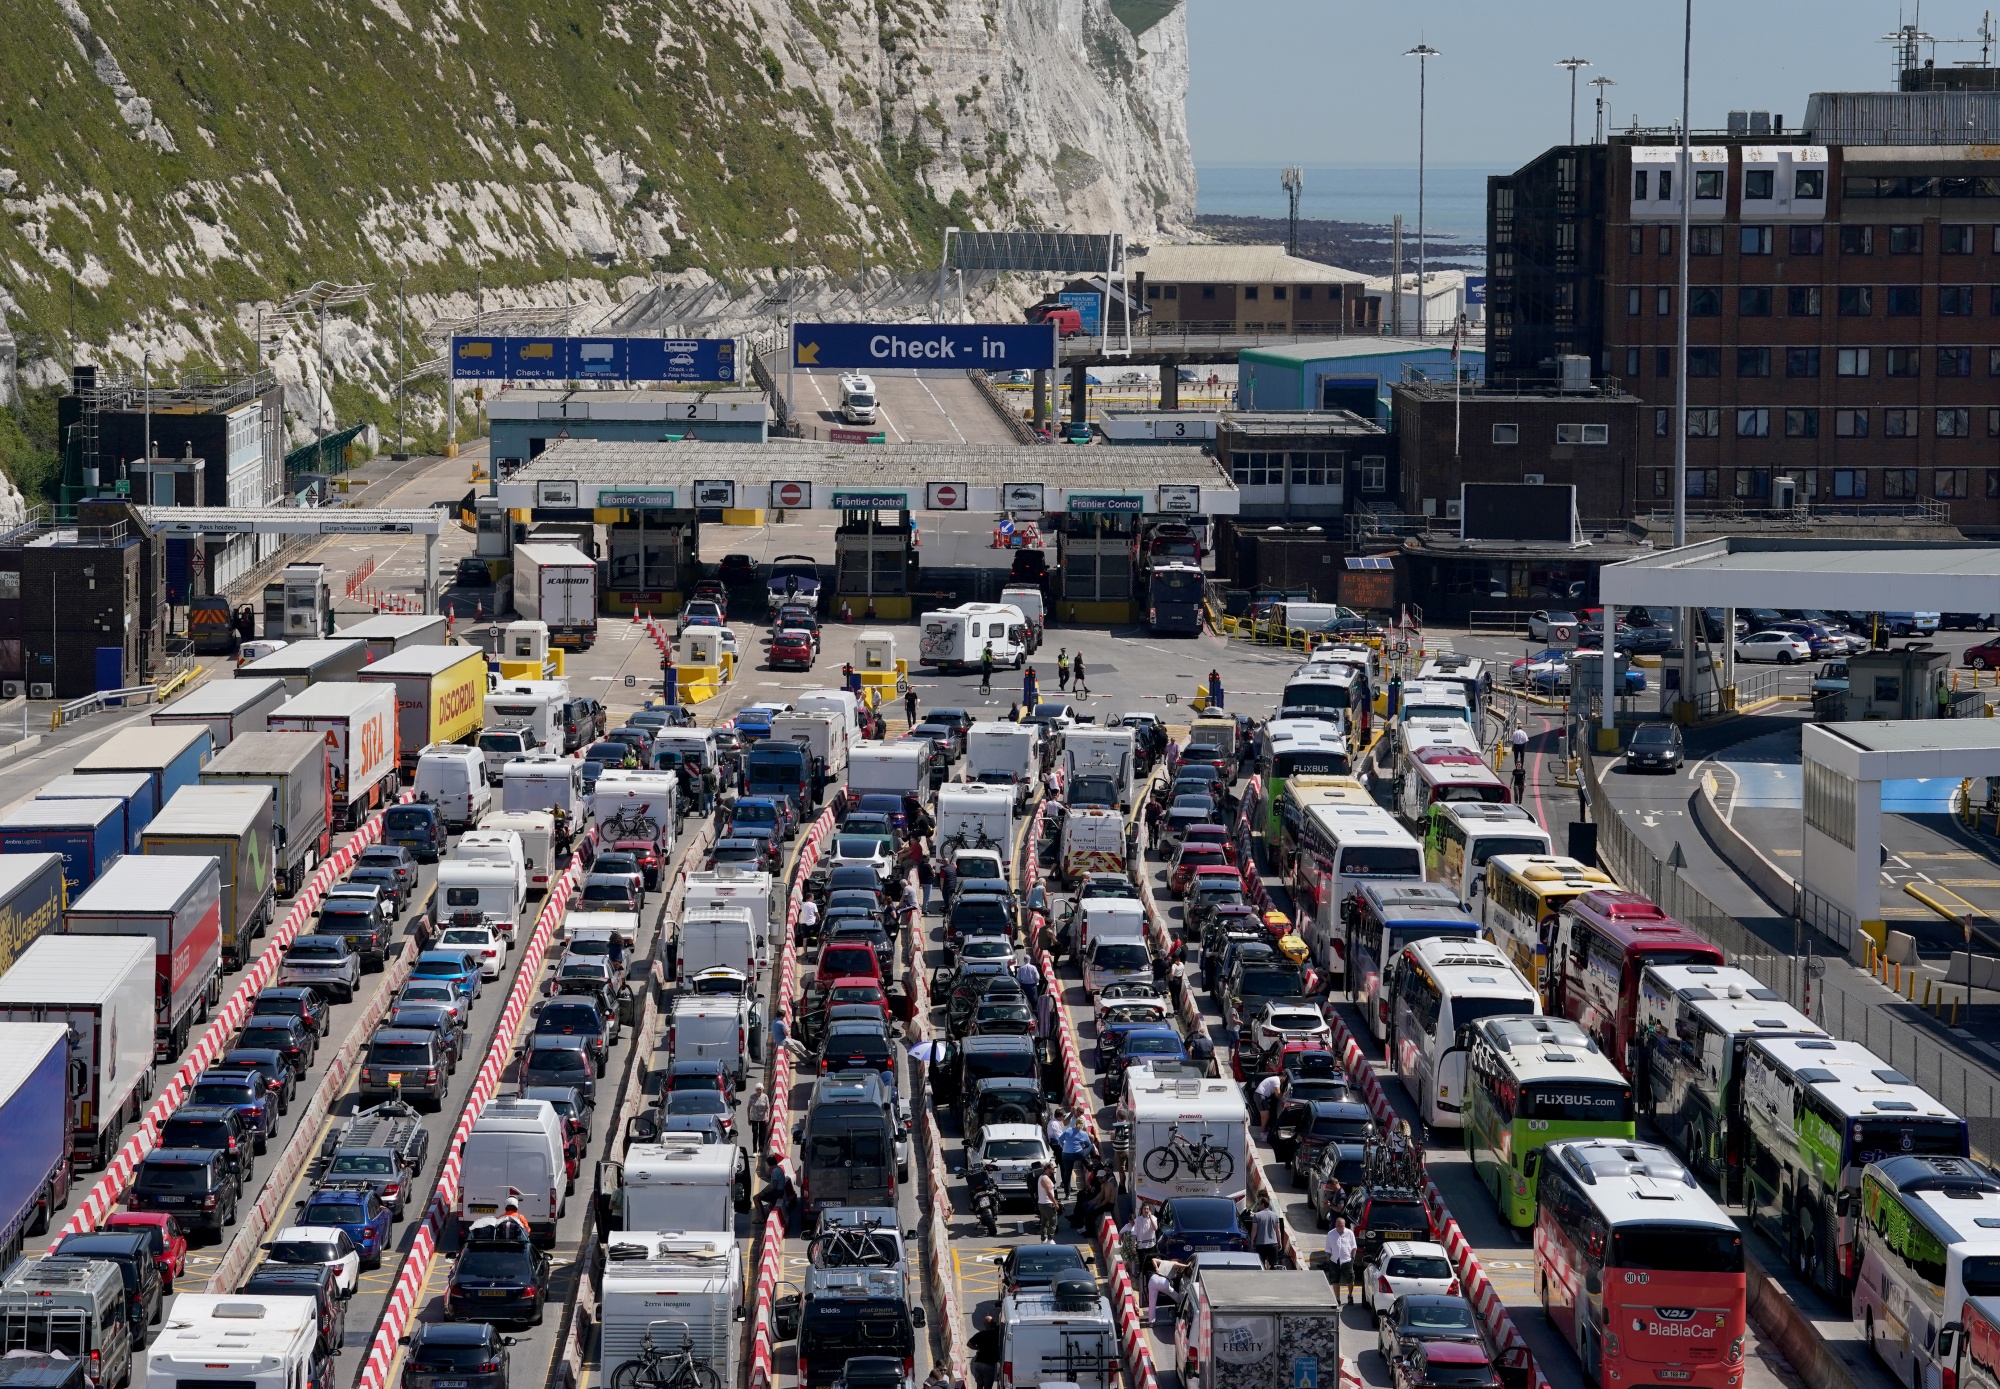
[[315, 299], [1423, 53], [1572, 64], [1603, 97]]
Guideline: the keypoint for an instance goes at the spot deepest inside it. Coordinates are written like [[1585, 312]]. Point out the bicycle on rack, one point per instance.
[[1210, 1162], [660, 1369]]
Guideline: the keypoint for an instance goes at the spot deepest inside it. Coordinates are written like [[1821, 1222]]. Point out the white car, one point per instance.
[[728, 642], [326, 1245], [857, 849], [1013, 1150], [482, 941], [1275, 1024], [1782, 647], [1540, 623], [1409, 1266]]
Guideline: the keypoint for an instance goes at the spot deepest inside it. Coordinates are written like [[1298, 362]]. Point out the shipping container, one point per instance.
[[229, 708], [440, 695], [393, 632], [357, 726], [303, 663], [102, 990], [176, 903], [173, 757], [32, 896], [135, 789], [88, 835], [295, 767], [233, 825], [557, 586], [34, 1115]]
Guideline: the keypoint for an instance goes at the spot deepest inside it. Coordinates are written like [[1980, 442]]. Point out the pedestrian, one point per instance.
[[1076, 673], [1074, 1146], [1154, 811], [1013, 713], [1267, 1098], [1518, 741], [1160, 1287], [1028, 977], [808, 921], [1047, 1207], [986, 669], [913, 908], [1264, 1226], [710, 783], [938, 1378], [760, 1119], [1144, 1233], [1202, 1051], [1520, 782], [985, 1347], [1214, 689], [512, 1219], [924, 875], [1062, 669], [1340, 1250]]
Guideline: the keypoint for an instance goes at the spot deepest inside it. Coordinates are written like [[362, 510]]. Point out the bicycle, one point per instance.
[[660, 1370], [1211, 1162]]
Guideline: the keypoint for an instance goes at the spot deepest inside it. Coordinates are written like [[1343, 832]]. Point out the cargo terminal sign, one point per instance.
[[593, 359], [925, 346]]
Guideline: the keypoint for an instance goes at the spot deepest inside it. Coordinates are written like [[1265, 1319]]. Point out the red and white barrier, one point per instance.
[[214, 1039], [415, 1272]]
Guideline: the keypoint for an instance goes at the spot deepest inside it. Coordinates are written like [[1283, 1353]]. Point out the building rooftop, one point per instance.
[[1864, 575], [1516, 390], [1275, 424], [1323, 349], [1237, 265]]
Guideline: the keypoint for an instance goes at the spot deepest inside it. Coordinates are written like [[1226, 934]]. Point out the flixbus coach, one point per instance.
[[1530, 1082]]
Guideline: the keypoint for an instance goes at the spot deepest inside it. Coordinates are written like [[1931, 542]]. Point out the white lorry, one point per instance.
[[556, 585], [226, 707], [357, 723], [976, 816], [677, 1183], [821, 730], [957, 638], [671, 1284], [1099, 766], [1189, 1138], [102, 988], [231, 1338], [515, 1149], [716, 937]]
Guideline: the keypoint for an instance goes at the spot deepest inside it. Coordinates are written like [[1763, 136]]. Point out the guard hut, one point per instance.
[[1899, 684]]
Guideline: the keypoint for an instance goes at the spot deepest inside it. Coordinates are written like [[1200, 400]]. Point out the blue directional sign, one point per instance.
[[538, 359], [1305, 1372], [479, 359], [593, 359], [927, 346], [598, 358], [682, 359]]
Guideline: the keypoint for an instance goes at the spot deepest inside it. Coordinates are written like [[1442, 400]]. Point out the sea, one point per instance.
[[1454, 196]]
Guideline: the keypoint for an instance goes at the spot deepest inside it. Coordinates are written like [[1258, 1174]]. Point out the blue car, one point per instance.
[[1111, 1035], [1155, 1043], [882, 803], [1192, 1223], [246, 1093], [356, 1207], [773, 813], [754, 723], [453, 966]]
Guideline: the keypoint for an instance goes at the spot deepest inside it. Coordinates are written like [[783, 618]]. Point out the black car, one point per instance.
[[498, 1276], [432, 1017], [1337, 1168], [456, 1355], [397, 859], [1655, 747], [271, 1064], [294, 1001], [577, 1017], [216, 1128], [1314, 1124], [290, 1035], [195, 1183], [1417, 1319], [316, 1281], [361, 925], [1383, 1213], [583, 722], [133, 1253], [1035, 1267]]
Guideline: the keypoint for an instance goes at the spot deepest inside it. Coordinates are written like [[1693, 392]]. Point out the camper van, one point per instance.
[[956, 638], [857, 398]]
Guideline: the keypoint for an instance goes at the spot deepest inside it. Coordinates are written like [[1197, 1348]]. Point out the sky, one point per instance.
[[1322, 82]]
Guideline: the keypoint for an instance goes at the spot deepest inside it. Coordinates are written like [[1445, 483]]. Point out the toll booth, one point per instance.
[[1095, 545], [874, 562], [1898, 684], [298, 605], [701, 666], [650, 557], [884, 674], [523, 651]]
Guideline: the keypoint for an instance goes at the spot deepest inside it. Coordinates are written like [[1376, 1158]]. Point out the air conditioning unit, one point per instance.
[[10, 689], [41, 692]]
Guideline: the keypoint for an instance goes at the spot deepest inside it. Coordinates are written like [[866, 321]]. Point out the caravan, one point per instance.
[[956, 638], [680, 1182], [245, 1342], [665, 1286]]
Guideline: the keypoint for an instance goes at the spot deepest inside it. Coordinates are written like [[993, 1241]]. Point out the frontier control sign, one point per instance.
[[931, 346]]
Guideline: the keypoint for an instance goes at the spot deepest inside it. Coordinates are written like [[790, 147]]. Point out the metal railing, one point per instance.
[[1924, 509]]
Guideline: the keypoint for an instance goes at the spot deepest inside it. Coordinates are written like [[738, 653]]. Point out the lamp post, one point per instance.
[[1681, 304], [1603, 98], [1423, 53], [1572, 64]]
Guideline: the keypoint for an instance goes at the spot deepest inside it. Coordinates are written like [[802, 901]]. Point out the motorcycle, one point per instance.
[[985, 1198]]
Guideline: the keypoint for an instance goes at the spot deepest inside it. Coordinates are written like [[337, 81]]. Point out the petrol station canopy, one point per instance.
[[581, 474]]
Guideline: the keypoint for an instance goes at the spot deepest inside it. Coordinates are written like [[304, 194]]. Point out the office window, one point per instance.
[[1906, 241], [1857, 241], [1758, 184], [1955, 240], [1632, 362], [1802, 301], [1374, 471], [1704, 301], [1639, 180], [1808, 481], [1753, 361], [1667, 233], [1856, 301], [1806, 241], [1506, 433], [1663, 362], [1704, 482], [1704, 241], [1809, 184], [1704, 422], [1954, 361], [1850, 424], [1753, 484], [1899, 483], [1905, 301], [1753, 241], [1850, 361], [1663, 423], [1953, 422], [1704, 361], [1802, 424], [1707, 185], [1250, 293], [1949, 483], [1899, 424], [1753, 424], [1583, 434], [1277, 291], [1208, 291], [1955, 300], [1152, 291], [1753, 301], [1173, 291], [1663, 482], [1663, 302], [1902, 361], [1258, 469], [1850, 482], [1635, 240], [1632, 301], [1317, 469], [1802, 361]]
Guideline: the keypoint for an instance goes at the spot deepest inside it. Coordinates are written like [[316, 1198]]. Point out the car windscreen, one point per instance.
[[1118, 954], [362, 1165], [224, 1092], [561, 1060], [1418, 1266], [1396, 1215], [302, 1251], [979, 1065], [431, 1358], [332, 1213], [399, 1054], [479, 1262], [175, 1177]]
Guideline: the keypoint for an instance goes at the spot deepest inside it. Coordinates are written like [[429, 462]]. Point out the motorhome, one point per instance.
[[957, 638]]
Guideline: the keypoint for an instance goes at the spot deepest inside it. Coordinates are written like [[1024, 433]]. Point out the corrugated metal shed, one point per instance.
[[1903, 118]]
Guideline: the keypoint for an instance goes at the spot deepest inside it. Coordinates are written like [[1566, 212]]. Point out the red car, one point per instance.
[[1444, 1365], [1985, 656], [845, 959], [792, 649], [856, 989], [164, 1235], [1211, 834], [1189, 858]]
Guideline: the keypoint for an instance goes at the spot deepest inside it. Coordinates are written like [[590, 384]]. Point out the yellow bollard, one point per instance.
[[1912, 994], [1898, 985], [1927, 994], [1954, 1011]]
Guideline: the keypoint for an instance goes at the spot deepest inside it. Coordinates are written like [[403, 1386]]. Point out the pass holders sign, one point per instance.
[[945, 496], [871, 499], [791, 495], [1180, 498], [681, 359], [1106, 504], [925, 346], [716, 492]]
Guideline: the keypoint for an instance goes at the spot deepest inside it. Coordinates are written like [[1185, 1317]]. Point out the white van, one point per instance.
[[472, 892], [515, 1148], [678, 1183], [732, 887], [1033, 606], [1113, 957], [452, 777], [712, 1027], [543, 782], [857, 398], [715, 936], [1102, 917], [536, 829], [970, 810], [955, 638], [679, 741]]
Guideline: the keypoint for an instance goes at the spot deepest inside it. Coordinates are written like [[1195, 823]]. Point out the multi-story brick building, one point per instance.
[[1844, 300]]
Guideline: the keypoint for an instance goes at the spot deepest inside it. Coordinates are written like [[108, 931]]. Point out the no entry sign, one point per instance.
[[945, 496], [791, 494]]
